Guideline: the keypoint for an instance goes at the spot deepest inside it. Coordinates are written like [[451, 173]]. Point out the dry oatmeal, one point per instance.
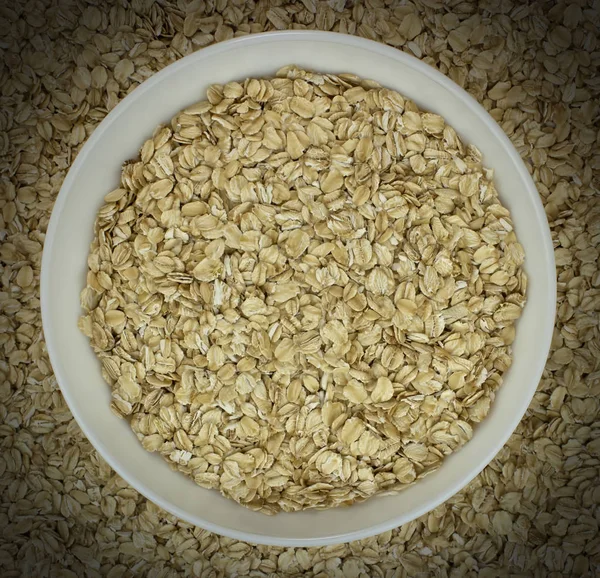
[[530, 512], [304, 292]]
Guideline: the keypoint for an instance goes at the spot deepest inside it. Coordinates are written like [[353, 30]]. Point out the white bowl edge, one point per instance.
[[312, 521]]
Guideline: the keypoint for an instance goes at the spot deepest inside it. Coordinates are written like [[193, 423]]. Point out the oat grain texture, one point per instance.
[[532, 512]]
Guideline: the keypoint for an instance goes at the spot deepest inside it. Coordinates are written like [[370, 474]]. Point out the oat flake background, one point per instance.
[[532, 512]]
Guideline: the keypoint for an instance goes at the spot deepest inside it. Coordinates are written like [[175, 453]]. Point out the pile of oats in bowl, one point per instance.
[[304, 292]]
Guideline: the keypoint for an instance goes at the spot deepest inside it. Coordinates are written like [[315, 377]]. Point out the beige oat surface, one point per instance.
[[532, 512], [304, 291]]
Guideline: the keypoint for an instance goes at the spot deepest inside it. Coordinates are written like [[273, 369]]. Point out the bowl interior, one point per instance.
[[96, 171]]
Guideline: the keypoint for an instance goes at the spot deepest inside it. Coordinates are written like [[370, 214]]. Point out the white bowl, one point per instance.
[[96, 171]]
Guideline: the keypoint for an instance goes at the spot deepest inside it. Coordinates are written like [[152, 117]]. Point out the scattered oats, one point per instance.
[[64, 512]]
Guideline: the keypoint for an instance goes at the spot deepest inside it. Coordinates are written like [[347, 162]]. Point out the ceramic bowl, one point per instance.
[[96, 171]]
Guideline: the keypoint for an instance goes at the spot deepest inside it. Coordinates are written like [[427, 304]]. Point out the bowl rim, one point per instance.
[[239, 43]]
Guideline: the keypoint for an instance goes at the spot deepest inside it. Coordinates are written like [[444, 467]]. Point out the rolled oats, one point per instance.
[[45, 456], [308, 259]]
